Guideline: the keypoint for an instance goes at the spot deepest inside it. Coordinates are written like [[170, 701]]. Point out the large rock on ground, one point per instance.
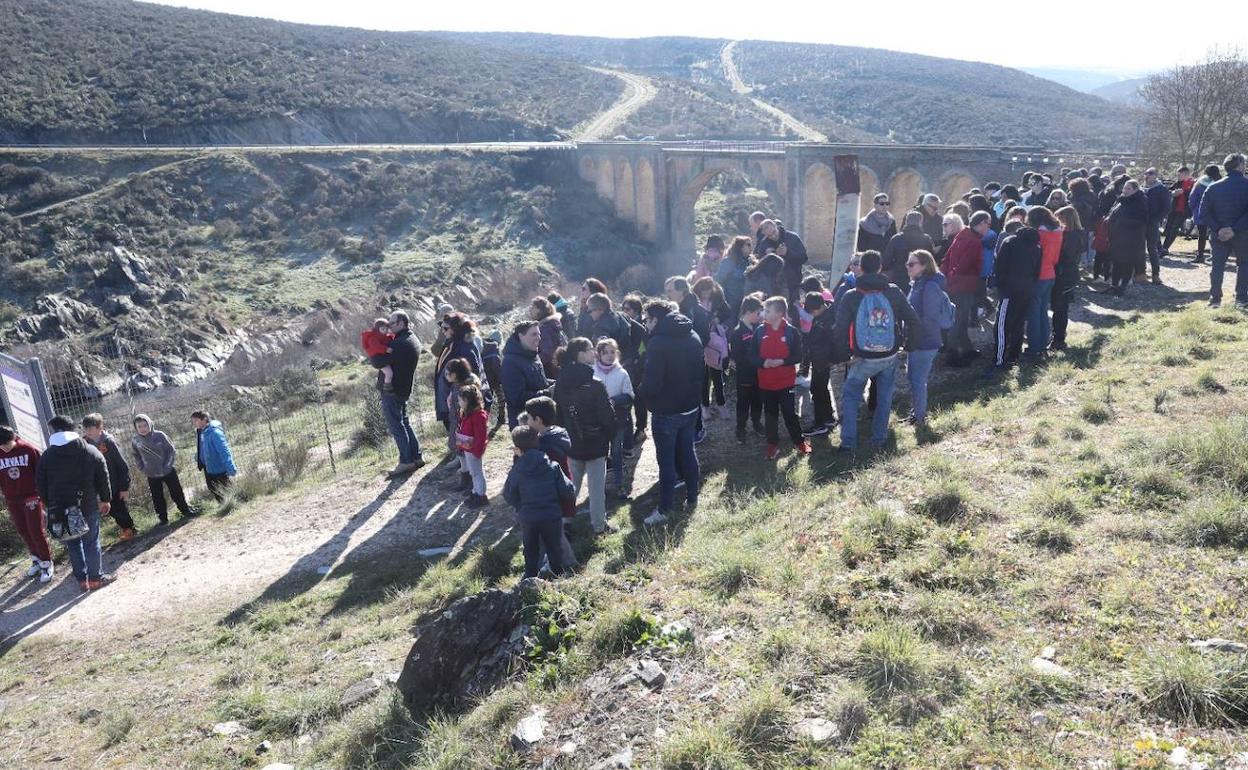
[[463, 653]]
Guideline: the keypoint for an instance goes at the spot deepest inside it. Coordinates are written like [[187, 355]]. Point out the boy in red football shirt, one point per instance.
[[777, 350], [18, 460]]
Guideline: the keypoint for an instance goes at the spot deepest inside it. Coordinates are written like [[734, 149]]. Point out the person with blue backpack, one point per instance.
[[936, 313], [873, 320]]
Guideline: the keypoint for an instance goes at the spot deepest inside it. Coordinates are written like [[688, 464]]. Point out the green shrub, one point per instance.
[[761, 722], [947, 617], [1221, 521], [877, 531], [947, 501], [891, 660], [1053, 534], [292, 460], [705, 747], [1056, 503], [1195, 689], [1217, 455], [1095, 412]]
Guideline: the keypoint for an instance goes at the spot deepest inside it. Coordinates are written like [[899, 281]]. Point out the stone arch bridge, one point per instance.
[[655, 185]]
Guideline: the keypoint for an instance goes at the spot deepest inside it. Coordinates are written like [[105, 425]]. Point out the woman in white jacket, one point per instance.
[[619, 387]]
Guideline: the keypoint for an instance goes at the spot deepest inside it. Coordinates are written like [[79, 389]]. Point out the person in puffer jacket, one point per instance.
[[1039, 328], [586, 412], [1016, 269], [1074, 246], [213, 454], [777, 350], [156, 458], [963, 265], [536, 487], [927, 296], [1211, 175]]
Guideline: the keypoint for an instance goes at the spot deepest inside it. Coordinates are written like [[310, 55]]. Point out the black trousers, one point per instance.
[[1174, 223], [218, 484], [158, 485], [1202, 239], [749, 403], [538, 537], [1011, 320], [821, 395], [120, 511], [641, 415], [713, 378], [1101, 265], [1122, 274], [780, 403], [1060, 303]]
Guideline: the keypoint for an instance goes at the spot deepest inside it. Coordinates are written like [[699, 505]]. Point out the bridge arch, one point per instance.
[[647, 212], [953, 185], [625, 192], [869, 184], [604, 180], [819, 211], [904, 188]]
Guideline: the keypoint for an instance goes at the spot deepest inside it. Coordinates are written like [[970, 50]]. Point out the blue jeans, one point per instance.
[[1039, 328], [400, 428], [918, 369], [884, 370], [84, 553], [1221, 250], [673, 445]]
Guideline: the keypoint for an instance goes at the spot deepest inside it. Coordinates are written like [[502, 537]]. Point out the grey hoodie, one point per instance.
[[154, 452]]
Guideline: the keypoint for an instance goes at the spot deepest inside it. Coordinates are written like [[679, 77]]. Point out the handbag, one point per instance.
[[67, 524]]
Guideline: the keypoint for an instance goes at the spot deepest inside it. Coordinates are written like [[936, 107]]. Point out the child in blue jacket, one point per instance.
[[536, 487]]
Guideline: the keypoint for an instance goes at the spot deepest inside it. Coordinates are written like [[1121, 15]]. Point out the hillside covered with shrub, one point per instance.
[[181, 250], [915, 99], [861, 94], [120, 72]]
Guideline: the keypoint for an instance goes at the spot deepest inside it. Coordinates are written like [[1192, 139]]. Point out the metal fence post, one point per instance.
[[329, 442]]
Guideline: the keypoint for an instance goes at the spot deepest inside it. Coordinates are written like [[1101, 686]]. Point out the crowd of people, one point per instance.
[[578, 390], [84, 475]]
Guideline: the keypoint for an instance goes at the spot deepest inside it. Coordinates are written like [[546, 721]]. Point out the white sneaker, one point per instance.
[[46, 570], [655, 519], [34, 567]]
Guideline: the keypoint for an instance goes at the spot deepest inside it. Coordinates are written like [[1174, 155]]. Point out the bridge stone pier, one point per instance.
[[655, 184]]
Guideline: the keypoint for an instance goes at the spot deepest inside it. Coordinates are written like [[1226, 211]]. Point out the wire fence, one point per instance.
[[305, 422]]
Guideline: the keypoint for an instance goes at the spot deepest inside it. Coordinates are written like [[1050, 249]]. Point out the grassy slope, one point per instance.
[[1094, 504]]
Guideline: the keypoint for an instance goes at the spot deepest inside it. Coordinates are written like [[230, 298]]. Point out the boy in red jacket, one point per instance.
[[777, 351], [472, 436], [18, 461]]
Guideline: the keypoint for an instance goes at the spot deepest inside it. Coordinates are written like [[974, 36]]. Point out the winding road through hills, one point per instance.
[[726, 58], [638, 90]]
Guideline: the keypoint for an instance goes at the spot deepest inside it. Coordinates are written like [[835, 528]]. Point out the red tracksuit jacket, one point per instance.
[[17, 472]]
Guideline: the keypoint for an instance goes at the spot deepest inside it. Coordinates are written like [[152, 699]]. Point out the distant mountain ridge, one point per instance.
[[114, 71], [863, 94]]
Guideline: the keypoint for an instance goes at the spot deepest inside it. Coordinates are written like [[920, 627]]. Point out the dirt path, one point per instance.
[[103, 190], [220, 564], [638, 90], [726, 57]]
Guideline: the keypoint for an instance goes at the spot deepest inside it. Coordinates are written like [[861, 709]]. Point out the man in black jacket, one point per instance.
[[403, 357], [72, 473], [1159, 199], [788, 246], [118, 472], [672, 387], [1016, 268], [880, 365], [911, 238], [523, 375]]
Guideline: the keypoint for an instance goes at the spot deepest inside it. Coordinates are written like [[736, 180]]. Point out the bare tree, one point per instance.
[[1197, 113]]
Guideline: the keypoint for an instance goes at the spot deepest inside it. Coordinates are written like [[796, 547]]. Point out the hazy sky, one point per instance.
[[1071, 34]]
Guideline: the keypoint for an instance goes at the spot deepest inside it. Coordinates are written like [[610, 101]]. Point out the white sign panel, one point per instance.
[[22, 405]]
